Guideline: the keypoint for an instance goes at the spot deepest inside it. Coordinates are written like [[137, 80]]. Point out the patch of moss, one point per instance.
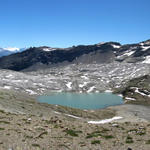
[[96, 142], [2, 111], [93, 134], [72, 132], [2, 128], [108, 136], [4, 122], [104, 130], [36, 145], [148, 142], [28, 137], [40, 129], [129, 140], [141, 133], [132, 130]]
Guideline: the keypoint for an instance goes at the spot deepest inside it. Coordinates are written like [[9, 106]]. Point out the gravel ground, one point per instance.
[[133, 113]]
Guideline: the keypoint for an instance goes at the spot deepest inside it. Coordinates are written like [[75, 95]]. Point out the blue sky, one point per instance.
[[63, 23]]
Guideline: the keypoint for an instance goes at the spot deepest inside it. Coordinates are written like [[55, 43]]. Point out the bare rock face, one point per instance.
[[99, 53], [46, 55]]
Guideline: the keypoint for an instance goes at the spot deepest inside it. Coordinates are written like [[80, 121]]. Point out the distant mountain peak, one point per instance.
[[12, 49]]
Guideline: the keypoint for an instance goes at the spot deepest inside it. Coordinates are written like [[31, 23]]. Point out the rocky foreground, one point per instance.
[[26, 124]]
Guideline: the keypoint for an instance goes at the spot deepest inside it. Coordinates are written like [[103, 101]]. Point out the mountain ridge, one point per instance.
[[98, 53]]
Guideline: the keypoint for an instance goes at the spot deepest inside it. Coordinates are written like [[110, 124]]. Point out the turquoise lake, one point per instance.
[[82, 101]]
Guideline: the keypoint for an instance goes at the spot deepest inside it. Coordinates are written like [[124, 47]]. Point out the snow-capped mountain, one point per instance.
[[10, 50]]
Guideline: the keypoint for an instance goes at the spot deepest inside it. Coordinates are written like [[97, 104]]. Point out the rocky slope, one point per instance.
[[73, 78], [137, 91]]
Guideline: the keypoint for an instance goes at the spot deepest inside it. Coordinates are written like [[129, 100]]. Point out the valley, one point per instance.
[[104, 67]]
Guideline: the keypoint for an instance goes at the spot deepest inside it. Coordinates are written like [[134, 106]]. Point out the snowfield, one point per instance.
[[147, 60]]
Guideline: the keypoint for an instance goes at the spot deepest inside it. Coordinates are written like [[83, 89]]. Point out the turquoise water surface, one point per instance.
[[82, 101]]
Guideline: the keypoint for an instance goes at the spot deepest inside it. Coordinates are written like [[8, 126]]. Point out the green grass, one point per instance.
[[2, 111], [72, 132], [141, 133], [132, 130], [129, 140], [5, 122], [148, 142], [96, 142], [93, 134], [108, 136], [35, 145], [40, 129], [1, 97], [104, 130], [2, 128], [28, 137]]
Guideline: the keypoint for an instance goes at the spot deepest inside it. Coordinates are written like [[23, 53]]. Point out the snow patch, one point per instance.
[[108, 91], [57, 112], [69, 85], [9, 76], [73, 116], [82, 85], [49, 49], [147, 60], [120, 95], [142, 44], [91, 89], [144, 48], [7, 87], [16, 81], [30, 92], [129, 53], [115, 46], [137, 91], [84, 77], [105, 121], [129, 98]]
